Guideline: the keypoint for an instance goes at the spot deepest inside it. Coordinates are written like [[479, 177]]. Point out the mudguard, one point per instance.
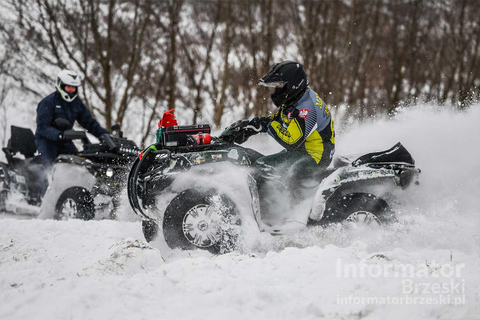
[[346, 176]]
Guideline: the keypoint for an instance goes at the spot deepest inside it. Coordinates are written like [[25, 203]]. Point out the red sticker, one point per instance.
[[303, 113]]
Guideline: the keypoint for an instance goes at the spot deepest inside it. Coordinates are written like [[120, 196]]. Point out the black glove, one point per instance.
[[229, 134], [256, 125], [260, 123], [242, 136], [240, 131]]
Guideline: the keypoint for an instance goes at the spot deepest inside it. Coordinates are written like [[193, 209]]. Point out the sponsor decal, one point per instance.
[[233, 154], [283, 131], [327, 111], [303, 113]]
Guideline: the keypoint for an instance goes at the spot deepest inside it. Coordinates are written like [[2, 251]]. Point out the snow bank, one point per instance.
[[88, 270], [104, 270]]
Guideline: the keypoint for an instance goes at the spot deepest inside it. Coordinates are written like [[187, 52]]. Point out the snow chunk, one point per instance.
[[127, 257]]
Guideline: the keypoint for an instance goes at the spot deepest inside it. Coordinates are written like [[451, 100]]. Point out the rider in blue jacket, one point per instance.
[[63, 103]]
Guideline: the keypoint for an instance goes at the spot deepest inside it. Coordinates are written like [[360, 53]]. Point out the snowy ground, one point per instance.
[[104, 269]]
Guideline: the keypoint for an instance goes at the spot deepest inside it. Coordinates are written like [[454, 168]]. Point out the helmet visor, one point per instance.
[[275, 84]]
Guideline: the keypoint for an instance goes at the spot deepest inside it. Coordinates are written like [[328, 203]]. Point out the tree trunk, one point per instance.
[[219, 109]]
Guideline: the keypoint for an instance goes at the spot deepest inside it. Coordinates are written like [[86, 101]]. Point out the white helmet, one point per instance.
[[68, 78]]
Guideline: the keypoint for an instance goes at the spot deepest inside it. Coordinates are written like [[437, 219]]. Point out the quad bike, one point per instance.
[[194, 194], [84, 186], [22, 181]]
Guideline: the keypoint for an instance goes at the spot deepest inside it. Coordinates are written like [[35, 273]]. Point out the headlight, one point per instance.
[[109, 172]]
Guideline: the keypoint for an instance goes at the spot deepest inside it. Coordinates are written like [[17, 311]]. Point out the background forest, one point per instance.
[[204, 58]]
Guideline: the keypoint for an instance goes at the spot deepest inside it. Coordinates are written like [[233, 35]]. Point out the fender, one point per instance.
[[341, 177]]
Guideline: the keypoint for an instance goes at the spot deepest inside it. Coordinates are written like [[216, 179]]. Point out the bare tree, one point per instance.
[[94, 38], [220, 106], [197, 51], [205, 57]]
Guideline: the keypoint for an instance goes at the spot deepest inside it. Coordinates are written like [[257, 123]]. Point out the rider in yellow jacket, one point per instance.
[[306, 128], [303, 125]]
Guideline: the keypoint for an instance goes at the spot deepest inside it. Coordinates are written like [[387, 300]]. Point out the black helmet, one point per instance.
[[289, 80]]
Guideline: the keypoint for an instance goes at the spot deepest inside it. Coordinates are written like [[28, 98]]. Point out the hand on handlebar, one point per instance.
[[240, 131], [259, 124], [228, 135]]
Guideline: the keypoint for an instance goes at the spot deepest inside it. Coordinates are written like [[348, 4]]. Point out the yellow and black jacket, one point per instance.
[[305, 127]]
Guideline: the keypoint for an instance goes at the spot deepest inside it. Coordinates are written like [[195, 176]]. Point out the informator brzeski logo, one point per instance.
[[423, 283]]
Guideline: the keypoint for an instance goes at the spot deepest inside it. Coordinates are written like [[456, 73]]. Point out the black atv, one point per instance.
[[194, 195], [22, 180], [82, 186]]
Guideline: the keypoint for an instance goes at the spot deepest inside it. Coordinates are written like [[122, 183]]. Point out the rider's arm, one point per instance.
[[45, 111], [86, 120]]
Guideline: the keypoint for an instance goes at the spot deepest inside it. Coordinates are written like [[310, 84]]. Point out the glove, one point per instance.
[[256, 125], [260, 123], [241, 136], [229, 134], [240, 131]]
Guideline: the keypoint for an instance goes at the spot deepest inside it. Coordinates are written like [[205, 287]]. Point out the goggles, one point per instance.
[[276, 84]]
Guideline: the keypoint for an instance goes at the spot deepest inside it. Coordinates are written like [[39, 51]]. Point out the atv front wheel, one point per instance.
[[202, 220], [361, 208], [75, 203]]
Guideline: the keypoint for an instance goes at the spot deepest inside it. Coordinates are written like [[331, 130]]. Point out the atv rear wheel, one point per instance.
[[75, 203], [202, 220], [361, 208]]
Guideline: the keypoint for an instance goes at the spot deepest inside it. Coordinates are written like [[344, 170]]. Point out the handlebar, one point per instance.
[[74, 135]]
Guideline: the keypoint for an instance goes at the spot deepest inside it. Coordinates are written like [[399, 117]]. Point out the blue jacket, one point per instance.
[[53, 107]]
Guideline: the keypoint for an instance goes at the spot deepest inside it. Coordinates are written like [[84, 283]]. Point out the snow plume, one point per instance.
[[445, 207], [443, 211], [103, 269], [213, 177]]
